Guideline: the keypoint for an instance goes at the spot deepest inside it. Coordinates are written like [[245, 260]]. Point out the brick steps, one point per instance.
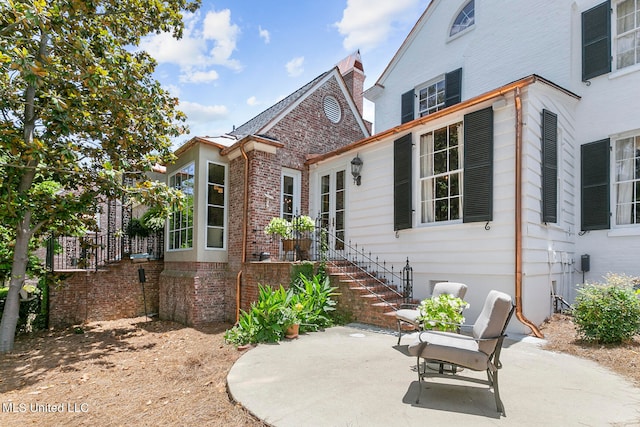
[[365, 297]]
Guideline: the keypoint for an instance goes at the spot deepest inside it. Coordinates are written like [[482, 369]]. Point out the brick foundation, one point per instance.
[[112, 293], [193, 293]]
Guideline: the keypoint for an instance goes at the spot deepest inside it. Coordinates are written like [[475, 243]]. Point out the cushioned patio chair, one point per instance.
[[409, 316], [478, 352]]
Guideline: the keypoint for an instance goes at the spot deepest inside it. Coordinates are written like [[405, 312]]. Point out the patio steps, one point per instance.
[[368, 300]]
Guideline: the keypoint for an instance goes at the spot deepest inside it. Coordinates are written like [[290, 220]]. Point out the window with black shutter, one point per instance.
[[402, 175], [478, 166], [407, 106], [453, 87], [549, 166], [596, 41], [594, 173]]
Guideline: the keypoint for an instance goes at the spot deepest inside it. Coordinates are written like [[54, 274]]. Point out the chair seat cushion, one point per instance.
[[409, 316], [450, 347]]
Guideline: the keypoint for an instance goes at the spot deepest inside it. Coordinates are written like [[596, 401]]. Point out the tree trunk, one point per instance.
[[18, 272]]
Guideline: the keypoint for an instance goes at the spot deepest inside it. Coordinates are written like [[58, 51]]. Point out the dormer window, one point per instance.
[[464, 20]]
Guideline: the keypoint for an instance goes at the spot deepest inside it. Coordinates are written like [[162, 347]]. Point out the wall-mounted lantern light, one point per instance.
[[356, 168]]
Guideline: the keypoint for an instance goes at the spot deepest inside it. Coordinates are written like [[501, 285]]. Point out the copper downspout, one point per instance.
[[518, 219], [245, 209]]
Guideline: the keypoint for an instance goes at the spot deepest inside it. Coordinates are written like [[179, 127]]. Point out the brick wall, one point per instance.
[[193, 293], [113, 293]]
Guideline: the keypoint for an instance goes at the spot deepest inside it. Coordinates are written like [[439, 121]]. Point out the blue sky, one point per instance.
[[237, 58]]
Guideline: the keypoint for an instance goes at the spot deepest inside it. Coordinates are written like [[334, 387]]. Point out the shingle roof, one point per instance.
[[256, 124]]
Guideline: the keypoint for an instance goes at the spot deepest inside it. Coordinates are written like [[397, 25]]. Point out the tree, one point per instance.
[[79, 110]]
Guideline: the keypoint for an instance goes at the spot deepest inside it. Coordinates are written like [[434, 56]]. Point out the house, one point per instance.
[[506, 152], [237, 182]]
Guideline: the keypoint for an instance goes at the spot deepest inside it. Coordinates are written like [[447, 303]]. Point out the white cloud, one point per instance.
[[367, 23], [295, 67], [190, 76], [204, 43], [253, 101], [217, 26], [200, 114], [264, 34]]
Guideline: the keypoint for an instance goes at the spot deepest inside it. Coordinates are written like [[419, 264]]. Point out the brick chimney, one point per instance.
[[353, 74]]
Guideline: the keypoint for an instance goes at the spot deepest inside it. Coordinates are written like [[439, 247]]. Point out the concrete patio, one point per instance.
[[356, 376]]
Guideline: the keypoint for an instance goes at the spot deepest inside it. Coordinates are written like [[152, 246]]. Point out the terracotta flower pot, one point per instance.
[[292, 331]]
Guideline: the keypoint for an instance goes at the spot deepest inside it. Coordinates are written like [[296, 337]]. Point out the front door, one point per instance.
[[332, 207]]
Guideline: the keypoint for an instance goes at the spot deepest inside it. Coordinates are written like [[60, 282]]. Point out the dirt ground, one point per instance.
[[560, 333], [121, 373], [138, 373]]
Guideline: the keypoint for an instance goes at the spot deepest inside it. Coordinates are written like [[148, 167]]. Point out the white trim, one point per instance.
[[297, 190], [168, 228], [225, 228]]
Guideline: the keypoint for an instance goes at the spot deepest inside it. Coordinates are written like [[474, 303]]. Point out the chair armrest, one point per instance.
[[459, 336]]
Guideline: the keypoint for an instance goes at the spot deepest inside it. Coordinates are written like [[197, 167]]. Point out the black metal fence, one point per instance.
[[93, 251]]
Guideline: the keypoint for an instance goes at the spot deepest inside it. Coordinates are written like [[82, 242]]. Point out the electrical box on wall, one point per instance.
[[585, 263]]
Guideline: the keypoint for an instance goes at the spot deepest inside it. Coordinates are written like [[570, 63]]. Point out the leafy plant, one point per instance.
[[303, 223], [308, 305], [443, 312], [280, 227], [315, 296], [608, 312]]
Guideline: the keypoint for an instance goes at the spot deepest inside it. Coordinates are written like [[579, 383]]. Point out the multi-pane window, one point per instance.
[[464, 20], [181, 221], [431, 98], [215, 206], [441, 170], [627, 180], [627, 33], [288, 196]]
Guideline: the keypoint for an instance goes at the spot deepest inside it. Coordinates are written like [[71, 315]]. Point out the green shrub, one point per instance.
[[308, 303], [609, 312]]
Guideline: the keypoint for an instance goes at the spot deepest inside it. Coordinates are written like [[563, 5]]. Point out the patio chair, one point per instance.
[[409, 316], [478, 352]]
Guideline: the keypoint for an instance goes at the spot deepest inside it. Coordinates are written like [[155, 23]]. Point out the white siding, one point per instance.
[[509, 41]]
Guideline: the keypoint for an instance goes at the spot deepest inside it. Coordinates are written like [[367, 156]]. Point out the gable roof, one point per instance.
[[259, 122]]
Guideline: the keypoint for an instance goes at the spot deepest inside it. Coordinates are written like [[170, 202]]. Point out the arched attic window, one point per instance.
[[464, 20]]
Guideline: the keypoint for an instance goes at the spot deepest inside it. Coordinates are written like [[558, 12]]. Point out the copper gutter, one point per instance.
[[245, 209], [518, 217]]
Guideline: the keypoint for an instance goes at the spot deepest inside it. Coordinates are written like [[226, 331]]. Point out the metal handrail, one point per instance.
[[355, 262]]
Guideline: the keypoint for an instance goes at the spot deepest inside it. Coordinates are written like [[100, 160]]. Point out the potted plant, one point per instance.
[[290, 320], [279, 227], [301, 226], [443, 313]]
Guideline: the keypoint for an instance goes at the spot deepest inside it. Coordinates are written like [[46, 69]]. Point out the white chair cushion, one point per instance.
[[408, 315], [450, 347]]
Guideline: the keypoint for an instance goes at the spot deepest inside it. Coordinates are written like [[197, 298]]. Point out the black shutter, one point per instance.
[[549, 166], [478, 166], [453, 87], [596, 41], [408, 103], [402, 175], [594, 173]]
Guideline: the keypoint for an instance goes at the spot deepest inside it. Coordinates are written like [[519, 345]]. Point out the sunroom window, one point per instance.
[[441, 153], [215, 206], [627, 33], [181, 221], [464, 20], [627, 180]]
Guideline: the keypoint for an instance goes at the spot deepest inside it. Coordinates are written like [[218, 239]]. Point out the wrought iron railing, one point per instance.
[[93, 251], [355, 262]]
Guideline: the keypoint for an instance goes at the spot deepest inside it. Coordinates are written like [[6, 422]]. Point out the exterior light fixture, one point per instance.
[[356, 168]]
